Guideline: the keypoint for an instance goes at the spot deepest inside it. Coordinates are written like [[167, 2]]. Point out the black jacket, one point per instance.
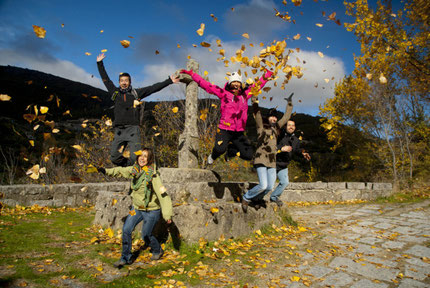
[[124, 112], [284, 158]]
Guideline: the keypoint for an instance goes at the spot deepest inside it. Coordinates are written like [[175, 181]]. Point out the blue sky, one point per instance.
[[162, 25]]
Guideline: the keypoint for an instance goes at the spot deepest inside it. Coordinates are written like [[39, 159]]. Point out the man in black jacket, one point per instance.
[[288, 145], [126, 112]]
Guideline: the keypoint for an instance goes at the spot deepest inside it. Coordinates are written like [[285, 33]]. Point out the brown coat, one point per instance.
[[267, 136]]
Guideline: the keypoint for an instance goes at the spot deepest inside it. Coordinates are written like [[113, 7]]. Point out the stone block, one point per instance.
[[347, 194], [187, 175], [382, 186], [336, 185], [355, 185]]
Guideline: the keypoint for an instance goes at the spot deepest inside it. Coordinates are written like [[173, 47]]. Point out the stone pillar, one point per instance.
[[189, 139]]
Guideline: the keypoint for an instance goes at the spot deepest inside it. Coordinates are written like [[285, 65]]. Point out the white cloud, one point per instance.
[[57, 67]]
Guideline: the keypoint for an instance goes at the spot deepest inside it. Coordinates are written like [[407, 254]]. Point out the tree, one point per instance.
[[386, 95]]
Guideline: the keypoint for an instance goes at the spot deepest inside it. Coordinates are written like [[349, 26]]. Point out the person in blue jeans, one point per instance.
[[289, 146], [150, 201], [265, 155]]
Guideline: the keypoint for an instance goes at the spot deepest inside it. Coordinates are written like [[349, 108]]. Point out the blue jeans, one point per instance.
[[150, 218], [267, 178], [283, 182]]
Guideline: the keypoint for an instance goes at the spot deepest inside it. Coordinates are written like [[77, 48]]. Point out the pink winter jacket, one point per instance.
[[234, 109]]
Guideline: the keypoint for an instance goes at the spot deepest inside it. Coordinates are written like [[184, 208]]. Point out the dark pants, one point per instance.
[[129, 137], [239, 143]]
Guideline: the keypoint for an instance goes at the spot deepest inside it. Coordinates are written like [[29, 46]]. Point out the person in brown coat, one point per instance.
[[265, 156]]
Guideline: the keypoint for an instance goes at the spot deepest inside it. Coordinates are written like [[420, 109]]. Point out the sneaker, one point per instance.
[[210, 160], [118, 264], [278, 202], [244, 205], [157, 256]]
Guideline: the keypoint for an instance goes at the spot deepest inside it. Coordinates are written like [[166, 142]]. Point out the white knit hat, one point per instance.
[[234, 77]]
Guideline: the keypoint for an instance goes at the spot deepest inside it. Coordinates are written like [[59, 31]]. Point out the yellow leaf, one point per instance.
[[43, 109], [157, 134], [214, 210], [104, 50], [382, 79], [219, 143], [214, 105], [326, 80], [245, 35], [238, 154], [55, 130], [94, 239], [109, 232], [78, 147], [205, 44], [132, 212], [319, 25], [125, 43], [114, 201], [40, 32], [4, 97], [137, 153], [88, 53], [320, 54], [99, 268], [302, 229], [296, 37], [175, 109], [309, 38], [91, 169], [101, 31], [295, 278], [31, 142], [369, 76], [258, 232], [201, 30]]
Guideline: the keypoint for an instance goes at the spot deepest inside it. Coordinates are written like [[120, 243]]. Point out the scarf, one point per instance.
[[142, 176]]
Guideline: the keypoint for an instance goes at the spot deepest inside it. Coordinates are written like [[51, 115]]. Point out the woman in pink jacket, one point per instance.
[[234, 113]]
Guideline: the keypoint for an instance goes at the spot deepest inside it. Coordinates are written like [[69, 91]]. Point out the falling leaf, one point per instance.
[[132, 212], [238, 154], [297, 2], [108, 122], [31, 142], [369, 76], [320, 54], [136, 103], [319, 25], [220, 142], [179, 46], [157, 52], [125, 43], [245, 35], [43, 109], [104, 51], [296, 37], [205, 44], [4, 97], [382, 79], [33, 172], [309, 38], [91, 169], [55, 131], [215, 18], [157, 134], [40, 32], [175, 109], [214, 105], [201, 30], [326, 80], [87, 53], [101, 31], [232, 9], [332, 16], [78, 147]]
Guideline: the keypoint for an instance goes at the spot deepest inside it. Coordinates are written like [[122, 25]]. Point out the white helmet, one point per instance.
[[234, 77]]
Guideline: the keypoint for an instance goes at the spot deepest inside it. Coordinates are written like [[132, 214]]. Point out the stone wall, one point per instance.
[[203, 206]]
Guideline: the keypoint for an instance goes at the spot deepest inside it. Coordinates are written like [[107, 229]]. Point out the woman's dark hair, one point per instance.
[[228, 88], [150, 155]]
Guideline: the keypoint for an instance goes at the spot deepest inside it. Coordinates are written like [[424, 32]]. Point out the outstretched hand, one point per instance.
[[189, 72], [101, 57], [174, 78]]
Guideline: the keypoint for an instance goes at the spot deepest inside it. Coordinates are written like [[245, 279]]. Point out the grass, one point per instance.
[[51, 247]]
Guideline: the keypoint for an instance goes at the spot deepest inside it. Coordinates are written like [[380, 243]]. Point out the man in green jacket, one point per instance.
[[150, 200]]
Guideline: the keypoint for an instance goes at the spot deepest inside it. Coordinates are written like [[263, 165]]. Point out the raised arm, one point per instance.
[[257, 113], [262, 81], [119, 171], [287, 114], [102, 71], [204, 84]]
